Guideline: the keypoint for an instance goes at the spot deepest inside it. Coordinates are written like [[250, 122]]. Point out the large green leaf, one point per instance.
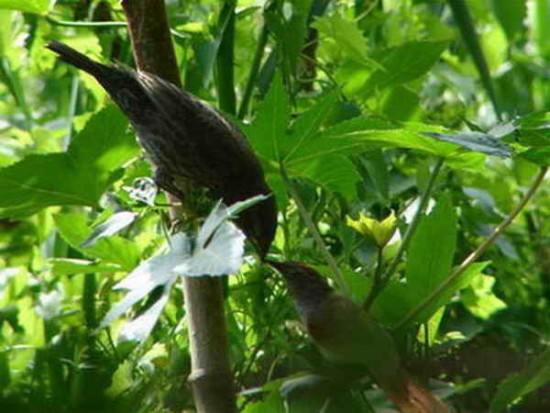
[[76, 177], [271, 122], [404, 63], [428, 262], [535, 375], [308, 124], [336, 173], [365, 133]]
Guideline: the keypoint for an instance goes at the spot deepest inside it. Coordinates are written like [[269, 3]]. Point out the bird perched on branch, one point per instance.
[[187, 141], [344, 332]]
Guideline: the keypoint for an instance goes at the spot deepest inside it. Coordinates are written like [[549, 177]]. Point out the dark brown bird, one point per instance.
[[343, 331], [187, 141]]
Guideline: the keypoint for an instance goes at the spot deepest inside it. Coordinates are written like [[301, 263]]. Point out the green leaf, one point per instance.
[[375, 164], [400, 103], [476, 141], [534, 129], [114, 250], [69, 266], [479, 299], [363, 134], [428, 262], [348, 37], [540, 156], [271, 122], [308, 124], [511, 14], [397, 300], [335, 173], [76, 177], [403, 63], [28, 6], [535, 375]]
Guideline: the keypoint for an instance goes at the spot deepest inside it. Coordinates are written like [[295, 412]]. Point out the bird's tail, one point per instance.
[[77, 59], [411, 397]]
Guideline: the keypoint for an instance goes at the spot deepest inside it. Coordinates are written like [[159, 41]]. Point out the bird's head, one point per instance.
[[306, 285], [259, 223]]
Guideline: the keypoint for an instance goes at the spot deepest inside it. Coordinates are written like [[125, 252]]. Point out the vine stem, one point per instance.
[[470, 259], [424, 199], [102, 24], [338, 276]]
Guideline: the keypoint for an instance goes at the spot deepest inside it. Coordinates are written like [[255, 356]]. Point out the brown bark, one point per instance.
[[211, 378]]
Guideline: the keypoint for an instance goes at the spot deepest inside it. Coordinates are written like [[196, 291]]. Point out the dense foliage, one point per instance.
[[359, 111]]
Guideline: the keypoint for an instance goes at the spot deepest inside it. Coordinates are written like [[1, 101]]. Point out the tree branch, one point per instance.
[[211, 377]]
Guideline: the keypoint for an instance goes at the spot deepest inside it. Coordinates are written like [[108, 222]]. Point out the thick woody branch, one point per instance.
[[211, 378]]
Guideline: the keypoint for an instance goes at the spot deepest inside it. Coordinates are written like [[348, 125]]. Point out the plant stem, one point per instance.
[[254, 69], [225, 59], [88, 301], [211, 378], [424, 199], [467, 29], [470, 259], [377, 279], [338, 276]]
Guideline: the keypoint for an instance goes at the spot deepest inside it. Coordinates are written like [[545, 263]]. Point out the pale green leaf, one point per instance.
[[27, 6]]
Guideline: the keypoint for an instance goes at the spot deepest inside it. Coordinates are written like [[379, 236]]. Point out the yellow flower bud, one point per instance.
[[379, 231]]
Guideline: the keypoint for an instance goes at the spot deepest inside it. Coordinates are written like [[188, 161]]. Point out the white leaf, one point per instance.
[[221, 213], [114, 224], [140, 328], [149, 275], [223, 255]]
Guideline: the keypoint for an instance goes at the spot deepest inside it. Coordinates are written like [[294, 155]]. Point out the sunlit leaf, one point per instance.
[[28, 6], [68, 266], [76, 177], [479, 299]]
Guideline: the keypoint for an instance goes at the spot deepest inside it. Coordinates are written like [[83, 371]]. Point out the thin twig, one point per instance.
[[338, 276], [470, 259]]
